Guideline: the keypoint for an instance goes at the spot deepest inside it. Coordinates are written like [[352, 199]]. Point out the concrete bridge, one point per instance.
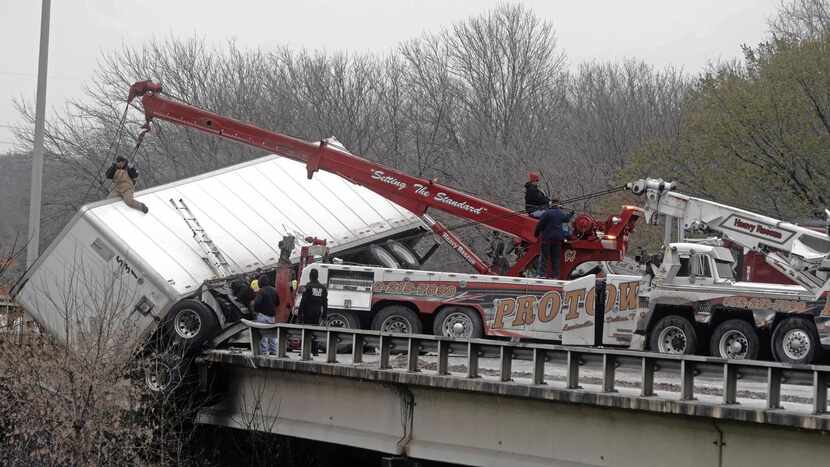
[[485, 402]]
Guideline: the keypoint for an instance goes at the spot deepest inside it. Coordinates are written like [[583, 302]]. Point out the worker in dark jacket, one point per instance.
[[265, 306], [313, 304], [551, 235], [535, 201]]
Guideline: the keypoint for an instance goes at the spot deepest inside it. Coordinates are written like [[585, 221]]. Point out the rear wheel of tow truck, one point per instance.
[[397, 319], [405, 256], [192, 322], [342, 319], [383, 257], [458, 322], [735, 339], [795, 340], [673, 334]]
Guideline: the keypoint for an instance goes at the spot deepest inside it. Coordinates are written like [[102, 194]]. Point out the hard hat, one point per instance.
[[255, 285], [533, 176]]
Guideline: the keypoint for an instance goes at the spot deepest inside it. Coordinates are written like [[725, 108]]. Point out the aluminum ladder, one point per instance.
[[213, 257]]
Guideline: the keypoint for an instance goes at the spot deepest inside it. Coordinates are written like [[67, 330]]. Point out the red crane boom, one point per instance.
[[413, 193]]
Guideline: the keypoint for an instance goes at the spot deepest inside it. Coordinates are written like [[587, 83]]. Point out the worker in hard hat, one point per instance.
[[123, 176], [535, 201]]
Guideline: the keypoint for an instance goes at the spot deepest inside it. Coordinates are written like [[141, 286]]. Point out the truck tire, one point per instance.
[[458, 322], [163, 372], [795, 340], [405, 256], [673, 334], [343, 319], [382, 257], [735, 339], [398, 319], [192, 322]]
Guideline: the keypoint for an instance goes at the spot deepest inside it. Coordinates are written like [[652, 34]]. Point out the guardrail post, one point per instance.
[[647, 377], [773, 388], [305, 345], [282, 342], [539, 357], [609, 366], [730, 384], [472, 360], [256, 338], [687, 380], [573, 370], [819, 392], [331, 347], [412, 355], [506, 370], [384, 353], [443, 357], [357, 348]]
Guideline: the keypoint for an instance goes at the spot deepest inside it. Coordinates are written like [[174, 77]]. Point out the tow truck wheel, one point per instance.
[[398, 319], [458, 322], [795, 340], [192, 322], [343, 319], [735, 339], [403, 254], [673, 334]]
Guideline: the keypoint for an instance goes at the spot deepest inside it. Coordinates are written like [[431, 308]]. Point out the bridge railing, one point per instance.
[[723, 377]]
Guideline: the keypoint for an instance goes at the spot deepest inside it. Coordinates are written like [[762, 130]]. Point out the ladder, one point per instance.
[[213, 257]]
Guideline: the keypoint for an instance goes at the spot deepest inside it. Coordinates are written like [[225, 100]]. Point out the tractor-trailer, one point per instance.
[[114, 261]]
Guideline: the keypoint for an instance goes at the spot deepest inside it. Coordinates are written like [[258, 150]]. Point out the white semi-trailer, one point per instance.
[[114, 261]]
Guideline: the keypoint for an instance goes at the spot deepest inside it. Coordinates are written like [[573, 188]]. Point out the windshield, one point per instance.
[[725, 270]]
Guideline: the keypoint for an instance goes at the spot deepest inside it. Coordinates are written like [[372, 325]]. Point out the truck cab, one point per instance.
[[695, 264]]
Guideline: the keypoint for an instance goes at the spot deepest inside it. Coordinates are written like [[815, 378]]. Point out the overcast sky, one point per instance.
[[684, 33]]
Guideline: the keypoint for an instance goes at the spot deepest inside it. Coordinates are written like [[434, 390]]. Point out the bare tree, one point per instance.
[[799, 20]]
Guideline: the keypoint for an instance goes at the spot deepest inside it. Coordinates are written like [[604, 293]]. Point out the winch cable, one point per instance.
[[116, 144]]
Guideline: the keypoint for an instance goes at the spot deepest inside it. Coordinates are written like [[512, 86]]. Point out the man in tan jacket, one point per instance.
[[123, 183]]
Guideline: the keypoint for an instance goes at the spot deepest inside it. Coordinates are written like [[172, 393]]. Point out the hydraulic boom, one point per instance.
[[598, 242], [795, 251]]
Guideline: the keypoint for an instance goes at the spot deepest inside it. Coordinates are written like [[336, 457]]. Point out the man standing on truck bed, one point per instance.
[[265, 305], [123, 177], [551, 235], [535, 201], [313, 304]]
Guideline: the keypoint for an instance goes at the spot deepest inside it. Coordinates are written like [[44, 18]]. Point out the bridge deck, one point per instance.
[[747, 391]]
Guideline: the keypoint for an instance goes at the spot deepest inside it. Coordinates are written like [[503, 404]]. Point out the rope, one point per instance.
[[116, 143]]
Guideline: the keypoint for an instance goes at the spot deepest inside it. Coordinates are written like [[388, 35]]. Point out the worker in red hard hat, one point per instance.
[[535, 201]]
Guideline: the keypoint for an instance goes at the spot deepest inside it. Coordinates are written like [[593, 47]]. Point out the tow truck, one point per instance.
[[693, 297]]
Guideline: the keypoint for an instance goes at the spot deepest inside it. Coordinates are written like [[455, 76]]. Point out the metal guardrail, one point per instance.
[[685, 369]]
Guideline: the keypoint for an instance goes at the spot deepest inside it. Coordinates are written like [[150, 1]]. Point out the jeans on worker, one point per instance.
[[269, 338], [550, 254]]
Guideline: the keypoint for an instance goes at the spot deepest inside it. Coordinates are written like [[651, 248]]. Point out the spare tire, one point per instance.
[[405, 256], [383, 257]]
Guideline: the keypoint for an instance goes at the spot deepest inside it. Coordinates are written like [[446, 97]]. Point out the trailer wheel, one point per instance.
[[405, 256], [795, 340], [342, 319], [163, 372], [458, 322], [382, 257], [397, 319], [193, 322], [735, 339], [673, 334]]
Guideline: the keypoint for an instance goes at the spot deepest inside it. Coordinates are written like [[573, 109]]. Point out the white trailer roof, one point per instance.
[[246, 209]]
